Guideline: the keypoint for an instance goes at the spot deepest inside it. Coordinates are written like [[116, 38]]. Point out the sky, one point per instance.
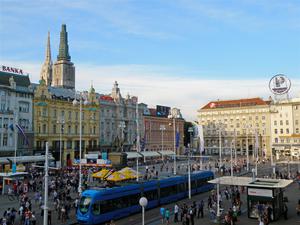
[[179, 53]]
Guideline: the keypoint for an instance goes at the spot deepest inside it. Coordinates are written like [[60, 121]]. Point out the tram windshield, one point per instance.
[[84, 204]]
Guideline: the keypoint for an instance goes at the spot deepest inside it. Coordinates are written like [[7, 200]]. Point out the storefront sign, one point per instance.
[[279, 84], [11, 70], [260, 192]]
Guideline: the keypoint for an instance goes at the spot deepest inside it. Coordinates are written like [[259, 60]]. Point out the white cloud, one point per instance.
[[161, 85]]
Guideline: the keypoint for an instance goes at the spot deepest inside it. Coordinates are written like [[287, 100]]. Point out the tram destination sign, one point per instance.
[[279, 84]]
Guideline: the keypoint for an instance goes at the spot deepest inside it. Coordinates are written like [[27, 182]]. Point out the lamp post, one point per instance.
[[220, 147], [247, 146], [174, 124], [61, 122], [122, 126], [143, 202], [190, 130], [75, 102], [45, 218], [231, 159], [14, 167], [162, 129]]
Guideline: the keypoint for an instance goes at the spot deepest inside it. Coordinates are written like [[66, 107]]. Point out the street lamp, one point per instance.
[[174, 124], [143, 202], [162, 129], [122, 126], [190, 130], [61, 122], [246, 126], [220, 146], [75, 103]]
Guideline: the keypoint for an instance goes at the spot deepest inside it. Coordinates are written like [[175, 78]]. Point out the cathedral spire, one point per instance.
[[63, 45], [48, 50], [46, 71]]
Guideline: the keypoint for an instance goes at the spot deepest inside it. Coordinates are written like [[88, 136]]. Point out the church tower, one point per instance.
[[46, 71], [63, 68]]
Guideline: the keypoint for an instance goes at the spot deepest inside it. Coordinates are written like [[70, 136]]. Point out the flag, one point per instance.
[[201, 138], [23, 133], [177, 138], [11, 127]]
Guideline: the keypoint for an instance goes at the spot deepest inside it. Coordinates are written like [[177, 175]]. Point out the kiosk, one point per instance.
[[261, 193]]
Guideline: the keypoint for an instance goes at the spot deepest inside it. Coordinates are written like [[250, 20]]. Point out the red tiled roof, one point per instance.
[[235, 103], [106, 98]]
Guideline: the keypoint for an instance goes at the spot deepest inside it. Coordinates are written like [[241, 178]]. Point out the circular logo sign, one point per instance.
[[280, 84]]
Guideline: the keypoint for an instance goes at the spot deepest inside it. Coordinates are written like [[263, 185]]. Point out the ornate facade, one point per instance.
[[56, 117]]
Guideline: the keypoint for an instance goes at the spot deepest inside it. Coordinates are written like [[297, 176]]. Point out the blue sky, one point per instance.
[[242, 40]]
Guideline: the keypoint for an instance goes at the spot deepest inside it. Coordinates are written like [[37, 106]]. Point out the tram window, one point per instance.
[[194, 184], [166, 191], [181, 187], [133, 199], [84, 204], [96, 208], [151, 195], [105, 206]]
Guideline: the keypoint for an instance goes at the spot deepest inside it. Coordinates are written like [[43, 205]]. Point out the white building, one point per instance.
[[118, 120], [15, 105], [285, 126]]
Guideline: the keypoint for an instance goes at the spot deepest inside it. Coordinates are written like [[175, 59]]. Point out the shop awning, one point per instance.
[[133, 155], [167, 152], [150, 154]]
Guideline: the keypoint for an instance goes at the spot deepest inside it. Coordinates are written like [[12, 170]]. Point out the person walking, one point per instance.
[[162, 214], [285, 211], [200, 209], [167, 216], [176, 210]]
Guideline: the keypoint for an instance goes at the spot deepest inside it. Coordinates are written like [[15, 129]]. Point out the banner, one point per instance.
[[201, 138], [177, 138]]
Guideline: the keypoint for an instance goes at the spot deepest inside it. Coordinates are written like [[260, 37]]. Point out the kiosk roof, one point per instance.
[[248, 181]]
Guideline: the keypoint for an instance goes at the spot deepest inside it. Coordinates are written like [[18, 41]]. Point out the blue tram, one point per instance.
[[100, 205]]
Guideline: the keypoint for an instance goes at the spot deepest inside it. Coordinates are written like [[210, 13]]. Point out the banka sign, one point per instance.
[[12, 70]]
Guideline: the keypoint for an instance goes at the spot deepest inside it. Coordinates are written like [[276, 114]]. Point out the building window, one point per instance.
[[276, 140], [275, 131], [69, 144], [281, 122], [263, 117], [4, 142], [70, 115], [44, 128], [82, 115], [54, 129], [82, 130], [44, 112], [24, 107], [54, 113], [296, 122], [281, 131], [297, 130], [69, 129], [286, 122], [62, 114], [287, 130], [76, 115], [76, 129], [275, 122]]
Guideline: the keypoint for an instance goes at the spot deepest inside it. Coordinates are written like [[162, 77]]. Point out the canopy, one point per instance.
[[102, 174], [129, 173], [116, 176], [133, 155], [150, 154], [167, 152]]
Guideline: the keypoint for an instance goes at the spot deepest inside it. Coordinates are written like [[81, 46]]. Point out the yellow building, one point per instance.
[[236, 119], [56, 120]]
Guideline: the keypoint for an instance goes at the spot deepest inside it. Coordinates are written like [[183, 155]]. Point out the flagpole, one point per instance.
[[14, 169], [137, 141]]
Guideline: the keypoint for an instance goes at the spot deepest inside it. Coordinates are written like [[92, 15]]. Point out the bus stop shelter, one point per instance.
[[260, 191], [11, 176]]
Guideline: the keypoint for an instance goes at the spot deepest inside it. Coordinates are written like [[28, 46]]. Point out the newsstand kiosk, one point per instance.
[[262, 194]]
